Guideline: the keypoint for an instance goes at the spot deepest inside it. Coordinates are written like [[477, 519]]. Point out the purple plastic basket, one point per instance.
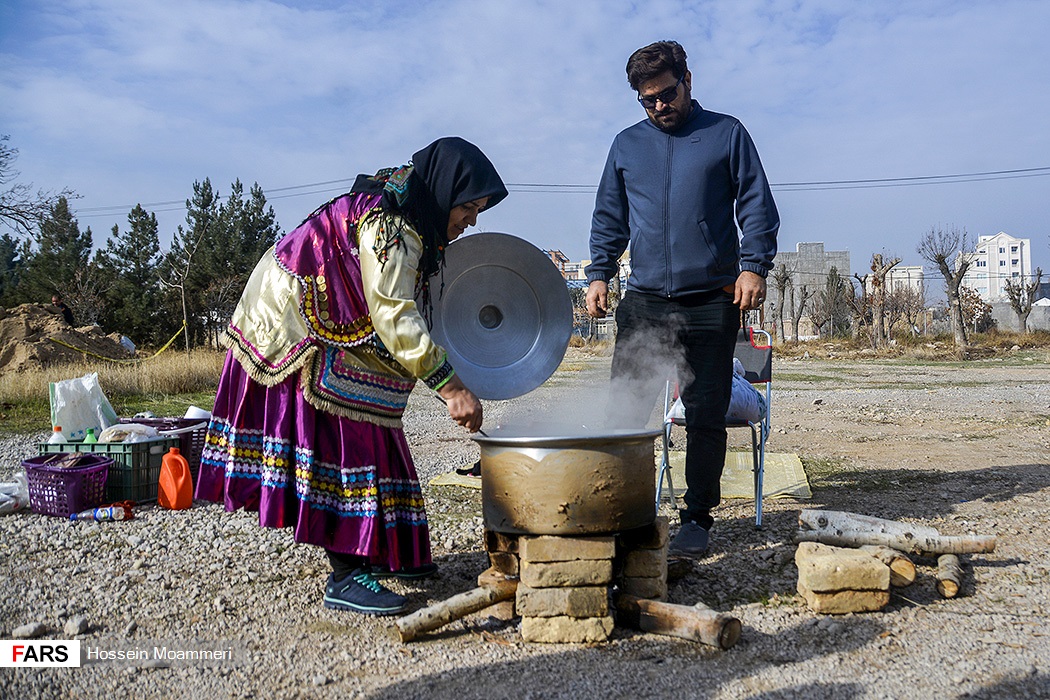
[[61, 491]]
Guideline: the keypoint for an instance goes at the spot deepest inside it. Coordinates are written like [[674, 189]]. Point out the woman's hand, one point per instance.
[[463, 406]]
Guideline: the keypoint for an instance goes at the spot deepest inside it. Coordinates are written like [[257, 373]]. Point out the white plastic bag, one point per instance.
[[746, 403], [128, 432], [14, 495], [79, 404]]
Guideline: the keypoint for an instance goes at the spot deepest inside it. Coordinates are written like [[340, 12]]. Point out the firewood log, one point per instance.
[[698, 623], [841, 520], [852, 530], [440, 614], [949, 575], [902, 569]]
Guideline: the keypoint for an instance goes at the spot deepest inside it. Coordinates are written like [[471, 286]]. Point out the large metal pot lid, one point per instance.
[[503, 314]]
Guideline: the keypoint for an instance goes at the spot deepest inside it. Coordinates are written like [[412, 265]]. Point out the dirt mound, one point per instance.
[[34, 336]]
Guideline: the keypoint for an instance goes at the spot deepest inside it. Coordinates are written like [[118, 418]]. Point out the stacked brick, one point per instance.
[[642, 560], [564, 582], [840, 580], [563, 593]]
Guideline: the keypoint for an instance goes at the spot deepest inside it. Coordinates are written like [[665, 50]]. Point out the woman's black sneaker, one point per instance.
[[412, 573], [360, 592]]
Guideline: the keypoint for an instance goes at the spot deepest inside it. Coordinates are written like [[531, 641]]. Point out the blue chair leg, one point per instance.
[[665, 470], [758, 454]]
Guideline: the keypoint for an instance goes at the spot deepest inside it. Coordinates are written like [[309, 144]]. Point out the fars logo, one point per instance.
[[28, 653]]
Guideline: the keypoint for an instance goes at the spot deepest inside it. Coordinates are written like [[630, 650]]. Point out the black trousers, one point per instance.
[[691, 338], [344, 564]]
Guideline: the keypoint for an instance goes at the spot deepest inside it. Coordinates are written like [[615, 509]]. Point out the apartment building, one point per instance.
[[995, 260]]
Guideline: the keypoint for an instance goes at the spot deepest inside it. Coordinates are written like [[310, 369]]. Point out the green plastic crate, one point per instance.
[[136, 465]]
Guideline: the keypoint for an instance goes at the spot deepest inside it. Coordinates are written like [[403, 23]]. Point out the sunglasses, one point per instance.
[[667, 96]]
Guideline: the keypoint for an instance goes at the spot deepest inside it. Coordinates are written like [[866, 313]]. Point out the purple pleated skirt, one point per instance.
[[341, 484]]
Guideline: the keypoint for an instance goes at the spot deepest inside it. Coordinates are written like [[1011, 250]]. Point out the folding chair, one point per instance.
[[758, 370]]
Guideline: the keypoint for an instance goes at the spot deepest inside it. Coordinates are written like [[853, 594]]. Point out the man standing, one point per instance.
[[675, 187]]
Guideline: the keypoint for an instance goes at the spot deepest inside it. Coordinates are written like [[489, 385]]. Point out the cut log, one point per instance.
[[440, 614], [945, 544], [949, 575], [902, 569], [698, 623], [851, 530], [840, 520]]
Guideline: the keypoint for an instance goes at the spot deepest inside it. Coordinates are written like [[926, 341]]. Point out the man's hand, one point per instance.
[[750, 291], [598, 299], [463, 405]]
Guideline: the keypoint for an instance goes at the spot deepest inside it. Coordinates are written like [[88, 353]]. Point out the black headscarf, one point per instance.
[[449, 172]]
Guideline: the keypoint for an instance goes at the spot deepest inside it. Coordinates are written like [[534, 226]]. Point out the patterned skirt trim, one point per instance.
[[345, 485]]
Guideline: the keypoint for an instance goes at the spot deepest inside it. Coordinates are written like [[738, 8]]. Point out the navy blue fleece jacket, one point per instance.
[[672, 195]]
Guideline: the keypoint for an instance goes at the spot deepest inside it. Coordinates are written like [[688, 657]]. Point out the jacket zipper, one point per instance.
[[668, 282]]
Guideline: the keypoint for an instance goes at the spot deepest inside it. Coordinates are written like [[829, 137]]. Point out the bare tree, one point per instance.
[[798, 306], [976, 312], [179, 264], [939, 247], [220, 299], [820, 312], [860, 306], [86, 293], [1022, 296], [879, 269], [20, 207], [909, 304], [781, 281]]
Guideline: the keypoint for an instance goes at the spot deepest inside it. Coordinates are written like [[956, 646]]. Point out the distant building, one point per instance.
[[559, 259], [995, 260], [901, 278], [908, 277], [809, 265], [576, 269]]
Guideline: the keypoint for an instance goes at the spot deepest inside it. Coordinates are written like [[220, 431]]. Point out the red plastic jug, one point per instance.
[[175, 490]]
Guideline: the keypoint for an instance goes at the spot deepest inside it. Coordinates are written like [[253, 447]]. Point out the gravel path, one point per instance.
[[963, 448]]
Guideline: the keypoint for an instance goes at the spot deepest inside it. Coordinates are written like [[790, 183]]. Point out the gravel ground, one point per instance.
[[961, 447]]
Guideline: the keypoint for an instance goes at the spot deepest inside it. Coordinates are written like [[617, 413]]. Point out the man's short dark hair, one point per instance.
[[655, 59]]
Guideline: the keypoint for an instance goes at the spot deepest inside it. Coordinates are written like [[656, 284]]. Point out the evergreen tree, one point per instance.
[[837, 295], [210, 261], [131, 259], [11, 264], [182, 271], [261, 229], [61, 251]]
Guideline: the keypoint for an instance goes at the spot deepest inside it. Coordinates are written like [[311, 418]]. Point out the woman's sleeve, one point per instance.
[[390, 292]]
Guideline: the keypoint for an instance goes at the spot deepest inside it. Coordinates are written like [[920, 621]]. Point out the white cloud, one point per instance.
[[132, 101]]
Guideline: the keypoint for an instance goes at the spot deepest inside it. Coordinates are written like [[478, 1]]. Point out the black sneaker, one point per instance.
[[409, 573], [690, 542], [360, 592]]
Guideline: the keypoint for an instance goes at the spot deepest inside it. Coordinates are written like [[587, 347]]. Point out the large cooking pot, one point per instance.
[[568, 485]]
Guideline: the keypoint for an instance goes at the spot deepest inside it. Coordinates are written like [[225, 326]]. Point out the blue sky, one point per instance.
[[131, 101]]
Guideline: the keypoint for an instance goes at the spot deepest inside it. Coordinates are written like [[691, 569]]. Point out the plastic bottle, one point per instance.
[[175, 489], [57, 438], [100, 515], [90, 438]]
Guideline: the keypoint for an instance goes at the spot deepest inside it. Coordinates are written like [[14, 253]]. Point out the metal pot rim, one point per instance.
[[618, 436]]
